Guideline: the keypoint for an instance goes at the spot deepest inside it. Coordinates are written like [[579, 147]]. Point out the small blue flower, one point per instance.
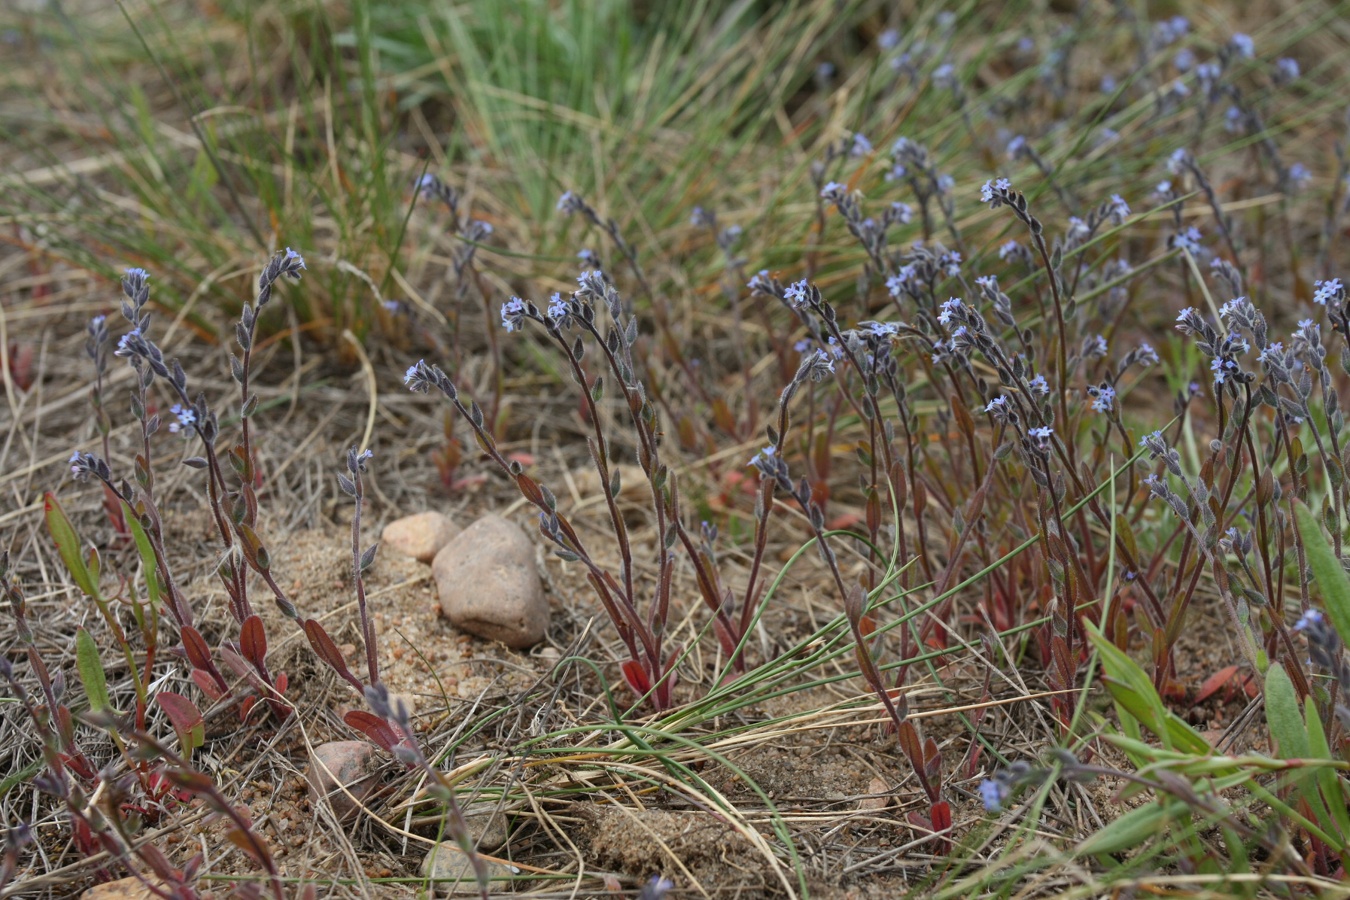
[[999, 403], [74, 464], [1038, 385], [1042, 433], [1243, 44], [763, 459], [291, 254], [566, 203], [412, 373], [888, 39], [990, 188], [512, 310], [1119, 208], [992, 794], [1327, 290], [948, 309], [1105, 399], [136, 273], [1308, 620], [1287, 68], [186, 418], [861, 146], [1299, 175], [796, 293], [1184, 60], [1188, 240], [1273, 353], [557, 307]]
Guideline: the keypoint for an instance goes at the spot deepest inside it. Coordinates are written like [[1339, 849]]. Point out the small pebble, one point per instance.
[[877, 787], [353, 764], [489, 585], [121, 889], [419, 536], [453, 873]]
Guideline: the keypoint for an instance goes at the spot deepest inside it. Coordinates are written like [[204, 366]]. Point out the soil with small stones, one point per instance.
[[820, 784]]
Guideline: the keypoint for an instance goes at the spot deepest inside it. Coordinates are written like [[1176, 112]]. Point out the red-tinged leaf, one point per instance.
[[65, 726], [909, 743], [185, 718], [920, 821], [238, 665], [253, 640], [1250, 687], [190, 780], [203, 680], [636, 677], [244, 842], [724, 636], [843, 521], [530, 488], [156, 860], [245, 707], [325, 648], [1214, 682], [722, 416], [867, 625], [941, 815], [373, 727], [932, 760], [194, 645], [282, 683], [975, 753]]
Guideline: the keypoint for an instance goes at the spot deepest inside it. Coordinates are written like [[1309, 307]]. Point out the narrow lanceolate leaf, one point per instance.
[[373, 727], [146, 551], [1133, 828], [185, 718], [1283, 715], [1332, 581], [253, 640], [91, 672], [68, 544]]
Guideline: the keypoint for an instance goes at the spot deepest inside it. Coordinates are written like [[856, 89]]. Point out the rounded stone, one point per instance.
[[453, 873], [420, 535], [486, 824], [489, 586], [122, 889], [352, 764]]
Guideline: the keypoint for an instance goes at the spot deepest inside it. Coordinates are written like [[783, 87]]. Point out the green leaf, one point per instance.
[[1285, 718], [1132, 829], [1328, 780], [1132, 690], [1282, 715], [68, 544], [90, 666], [147, 552], [1332, 582]]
